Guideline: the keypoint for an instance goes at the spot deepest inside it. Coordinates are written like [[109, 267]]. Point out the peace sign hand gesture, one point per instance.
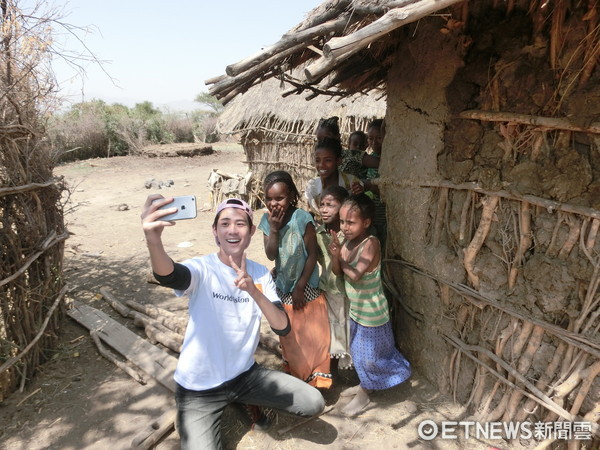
[[243, 280], [335, 246]]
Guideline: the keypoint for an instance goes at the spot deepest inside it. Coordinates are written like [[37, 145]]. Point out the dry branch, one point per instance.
[[574, 339], [534, 394], [155, 431], [523, 366], [555, 123], [524, 243], [132, 372], [29, 187], [439, 217], [11, 361], [50, 241], [549, 205], [489, 206], [588, 375]]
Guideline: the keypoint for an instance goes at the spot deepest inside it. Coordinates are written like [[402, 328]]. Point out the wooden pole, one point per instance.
[[393, 19], [287, 41], [555, 123]]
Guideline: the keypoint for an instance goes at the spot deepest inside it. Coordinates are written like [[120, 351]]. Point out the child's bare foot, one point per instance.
[[351, 391], [358, 403]]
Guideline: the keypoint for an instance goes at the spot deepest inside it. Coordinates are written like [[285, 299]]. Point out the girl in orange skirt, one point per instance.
[[290, 240]]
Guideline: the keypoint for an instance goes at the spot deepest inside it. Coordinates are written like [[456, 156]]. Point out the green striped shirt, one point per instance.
[[368, 305]]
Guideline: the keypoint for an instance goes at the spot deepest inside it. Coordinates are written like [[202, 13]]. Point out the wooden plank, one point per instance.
[[151, 359]]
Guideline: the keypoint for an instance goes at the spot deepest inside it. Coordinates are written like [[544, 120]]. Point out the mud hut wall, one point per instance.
[[415, 123], [431, 161]]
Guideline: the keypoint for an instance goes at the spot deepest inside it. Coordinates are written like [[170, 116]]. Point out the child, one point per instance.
[[357, 141], [228, 295], [375, 135], [352, 159], [331, 284], [328, 128], [290, 240], [378, 363], [327, 157]]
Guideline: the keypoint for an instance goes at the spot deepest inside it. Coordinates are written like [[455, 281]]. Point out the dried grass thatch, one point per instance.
[[278, 132]]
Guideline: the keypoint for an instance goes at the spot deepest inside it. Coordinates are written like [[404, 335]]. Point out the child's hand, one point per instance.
[[335, 246], [276, 218], [298, 301], [243, 281], [357, 188]]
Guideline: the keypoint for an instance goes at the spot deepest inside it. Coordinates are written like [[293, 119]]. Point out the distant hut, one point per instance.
[[277, 130], [491, 175]]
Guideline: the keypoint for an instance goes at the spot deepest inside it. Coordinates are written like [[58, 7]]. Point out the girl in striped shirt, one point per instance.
[[378, 363]]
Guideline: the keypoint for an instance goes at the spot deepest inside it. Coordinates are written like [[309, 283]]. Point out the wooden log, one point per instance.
[[393, 19], [554, 123], [333, 9], [160, 315], [149, 310], [112, 301], [129, 370], [287, 41], [270, 344], [171, 341], [223, 87], [151, 359], [155, 431]]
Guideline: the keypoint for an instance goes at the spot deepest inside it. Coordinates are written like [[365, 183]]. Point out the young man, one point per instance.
[[228, 295]]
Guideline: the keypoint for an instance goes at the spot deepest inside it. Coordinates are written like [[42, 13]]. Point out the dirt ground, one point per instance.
[[80, 400]]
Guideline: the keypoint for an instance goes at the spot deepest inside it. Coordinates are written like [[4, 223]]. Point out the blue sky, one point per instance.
[[162, 51]]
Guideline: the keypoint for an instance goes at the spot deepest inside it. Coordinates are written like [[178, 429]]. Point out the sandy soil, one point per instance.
[[80, 400]]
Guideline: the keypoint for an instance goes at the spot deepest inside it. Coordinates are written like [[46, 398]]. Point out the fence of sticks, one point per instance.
[[32, 231]]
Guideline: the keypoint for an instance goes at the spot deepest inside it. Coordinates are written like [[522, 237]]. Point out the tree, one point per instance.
[[211, 102]]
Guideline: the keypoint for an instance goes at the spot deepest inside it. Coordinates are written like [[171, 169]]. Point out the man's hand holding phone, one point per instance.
[[186, 208]]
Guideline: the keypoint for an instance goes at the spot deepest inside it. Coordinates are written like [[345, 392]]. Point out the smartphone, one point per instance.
[[186, 208]]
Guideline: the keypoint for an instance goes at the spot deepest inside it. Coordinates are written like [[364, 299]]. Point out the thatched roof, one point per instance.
[[263, 106], [345, 47]]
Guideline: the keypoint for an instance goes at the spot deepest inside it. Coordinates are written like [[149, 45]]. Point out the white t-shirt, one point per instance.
[[314, 187], [224, 326]]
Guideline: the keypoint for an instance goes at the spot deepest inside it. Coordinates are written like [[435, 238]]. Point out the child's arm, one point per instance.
[[272, 240], [310, 242], [368, 260], [334, 250]]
